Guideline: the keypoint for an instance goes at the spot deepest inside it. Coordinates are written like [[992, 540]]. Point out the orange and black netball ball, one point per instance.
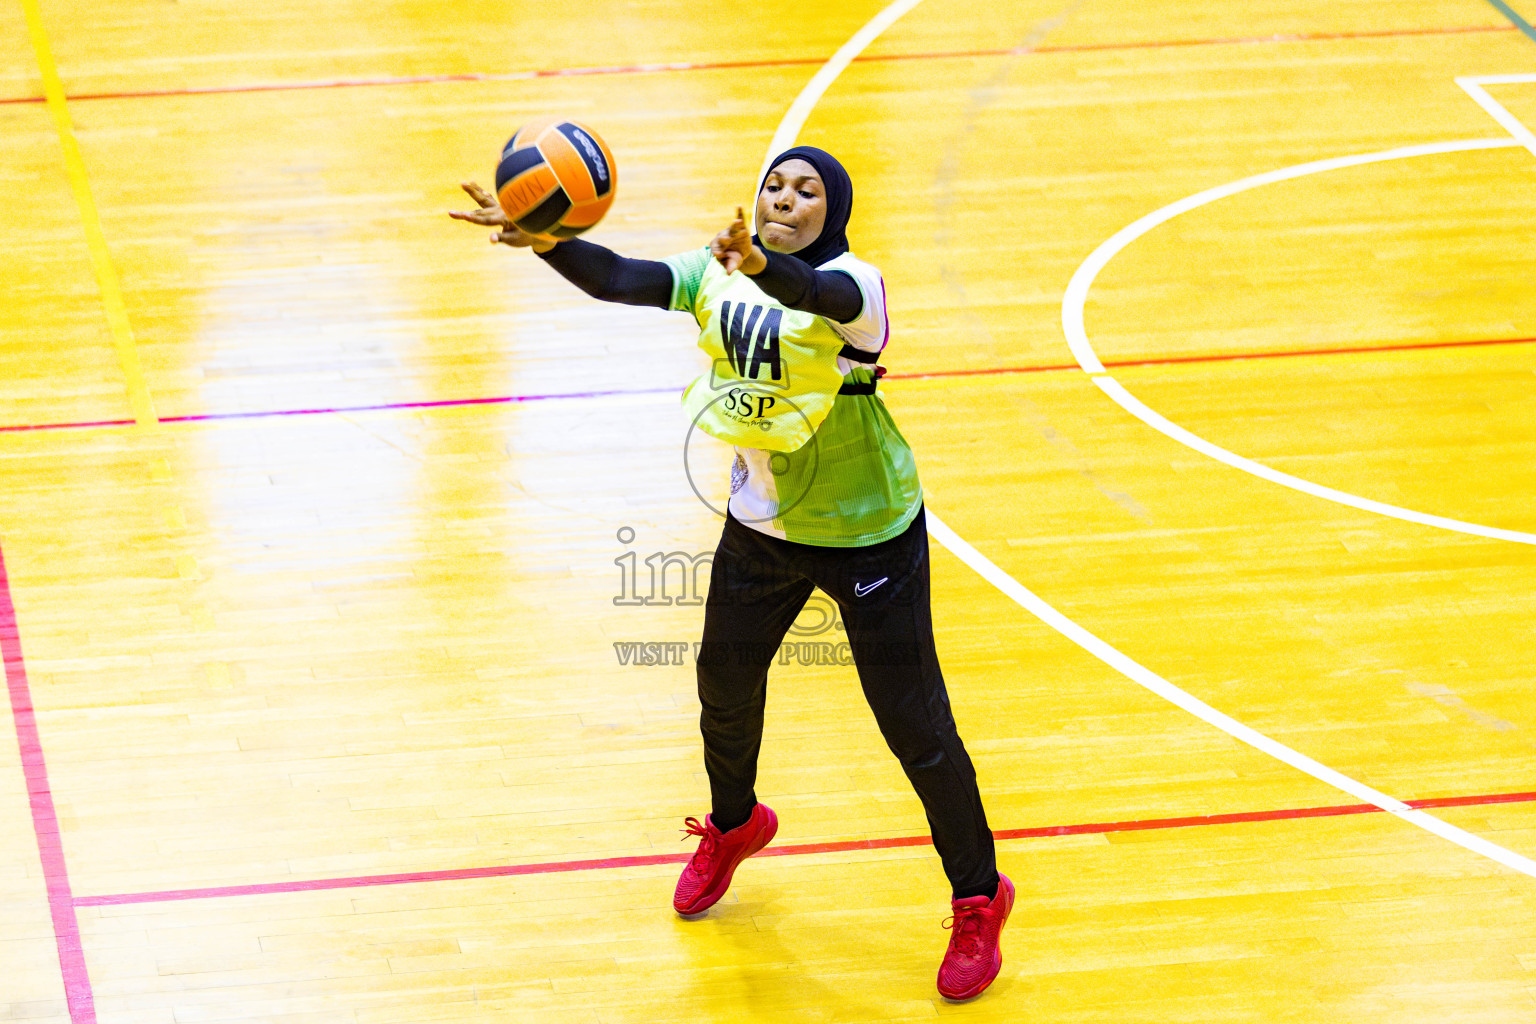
[[555, 179]]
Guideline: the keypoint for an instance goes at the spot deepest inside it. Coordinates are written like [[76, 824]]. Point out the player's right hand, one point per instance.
[[490, 215]]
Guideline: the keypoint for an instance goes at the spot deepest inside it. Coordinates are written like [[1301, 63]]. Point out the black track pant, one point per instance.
[[758, 584]]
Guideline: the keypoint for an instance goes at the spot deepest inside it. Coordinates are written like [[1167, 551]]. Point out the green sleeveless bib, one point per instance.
[[773, 371]]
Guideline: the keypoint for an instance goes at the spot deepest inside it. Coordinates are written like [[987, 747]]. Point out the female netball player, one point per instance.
[[824, 494]]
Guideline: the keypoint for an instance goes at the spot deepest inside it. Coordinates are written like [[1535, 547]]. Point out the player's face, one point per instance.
[[792, 207]]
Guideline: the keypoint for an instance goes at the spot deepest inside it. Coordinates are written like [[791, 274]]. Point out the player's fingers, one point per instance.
[[479, 195]]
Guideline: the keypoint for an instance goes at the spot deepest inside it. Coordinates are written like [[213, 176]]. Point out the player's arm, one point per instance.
[[828, 293], [604, 274], [600, 272]]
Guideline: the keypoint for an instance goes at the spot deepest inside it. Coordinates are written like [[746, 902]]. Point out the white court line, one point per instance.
[[794, 117], [1076, 298], [1473, 84], [1129, 402], [789, 128], [1139, 673]]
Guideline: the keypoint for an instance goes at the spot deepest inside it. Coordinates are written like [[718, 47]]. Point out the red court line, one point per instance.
[[639, 69], [441, 403], [1229, 357], [45, 820], [986, 371], [19, 427], [261, 414], [800, 850]]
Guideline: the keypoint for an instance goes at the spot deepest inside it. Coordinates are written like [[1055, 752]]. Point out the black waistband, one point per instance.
[[858, 355], [857, 389]]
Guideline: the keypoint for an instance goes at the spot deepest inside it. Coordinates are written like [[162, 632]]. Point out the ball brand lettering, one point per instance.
[[597, 162], [751, 339]]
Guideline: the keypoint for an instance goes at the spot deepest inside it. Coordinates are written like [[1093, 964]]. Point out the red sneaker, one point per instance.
[[974, 957], [708, 874]]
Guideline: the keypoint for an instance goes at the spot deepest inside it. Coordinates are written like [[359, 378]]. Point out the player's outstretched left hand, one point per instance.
[[733, 248]]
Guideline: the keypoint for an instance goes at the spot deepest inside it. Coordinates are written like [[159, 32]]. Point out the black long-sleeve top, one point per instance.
[[604, 274]]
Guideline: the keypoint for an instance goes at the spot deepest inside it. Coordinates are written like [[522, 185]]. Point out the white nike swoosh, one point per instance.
[[859, 589]]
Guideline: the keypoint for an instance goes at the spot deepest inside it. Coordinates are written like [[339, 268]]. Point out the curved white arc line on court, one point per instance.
[[1076, 298], [800, 109], [1144, 676], [1130, 403], [789, 127]]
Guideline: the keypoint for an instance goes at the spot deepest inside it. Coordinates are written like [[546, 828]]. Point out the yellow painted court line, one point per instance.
[[106, 275]]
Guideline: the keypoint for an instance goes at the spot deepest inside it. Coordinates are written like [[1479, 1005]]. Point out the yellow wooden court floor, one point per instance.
[[321, 518]]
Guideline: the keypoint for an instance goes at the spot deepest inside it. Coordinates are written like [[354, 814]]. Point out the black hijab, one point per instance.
[[833, 240]]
